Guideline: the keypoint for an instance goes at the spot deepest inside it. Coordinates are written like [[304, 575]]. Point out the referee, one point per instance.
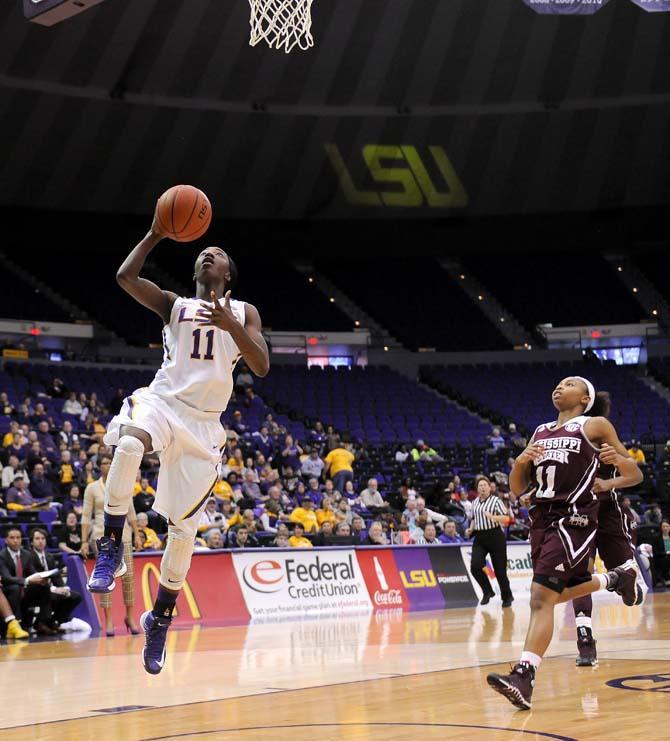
[[488, 516]]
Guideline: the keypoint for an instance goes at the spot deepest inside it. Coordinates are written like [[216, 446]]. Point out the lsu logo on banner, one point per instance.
[[151, 569], [566, 7], [418, 578], [403, 176]]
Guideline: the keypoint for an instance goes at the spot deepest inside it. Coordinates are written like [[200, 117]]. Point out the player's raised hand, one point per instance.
[[608, 454], [217, 314]]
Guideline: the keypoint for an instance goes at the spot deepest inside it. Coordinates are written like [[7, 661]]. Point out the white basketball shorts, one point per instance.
[[188, 443]]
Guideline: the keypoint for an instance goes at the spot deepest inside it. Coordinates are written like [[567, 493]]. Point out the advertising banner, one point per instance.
[[452, 576], [653, 6], [211, 593], [298, 583], [382, 579], [418, 578], [566, 7], [519, 570]]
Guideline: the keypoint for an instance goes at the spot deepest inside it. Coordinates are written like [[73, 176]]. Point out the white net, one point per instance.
[[282, 24]]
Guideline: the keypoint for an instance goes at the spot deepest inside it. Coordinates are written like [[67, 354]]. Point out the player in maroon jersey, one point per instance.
[[613, 541], [563, 459]]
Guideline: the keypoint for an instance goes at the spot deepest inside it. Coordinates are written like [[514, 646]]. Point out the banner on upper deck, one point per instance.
[[566, 7], [653, 6]]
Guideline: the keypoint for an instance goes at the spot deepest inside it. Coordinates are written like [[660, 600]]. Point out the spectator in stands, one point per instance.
[[371, 499], [143, 494], [326, 513], [8, 437], [46, 441], [313, 491], [69, 535], [636, 453], [450, 534], [626, 503], [40, 486], [653, 515], [249, 521], [298, 539], [332, 438], [343, 530], [271, 516], [325, 531], [18, 447], [423, 452], [410, 514], [6, 407], [19, 497], [73, 502], [516, 440], [57, 389], [496, 441], [210, 518], [343, 512], [402, 454], [39, 415], [350, 493], [35, 456], [244, 539], [306, 516], [222, 490], [72, 406], [312, 466], [290, 455], [86, 475], [292, 483], [67, 435], [432, 516], [339, 466], [428, 536], [275, 494], [358, 531], [55, 595], [281, 539], [236, 462], [318, 438], [65, 472], [152, 542], [250, 487], [661, 554], [238, 424], [13, 470], [263, 442], [244, 378], [214, 539], [375, 534]]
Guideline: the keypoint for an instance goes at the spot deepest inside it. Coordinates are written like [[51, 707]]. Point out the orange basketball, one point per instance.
[[183, 213]]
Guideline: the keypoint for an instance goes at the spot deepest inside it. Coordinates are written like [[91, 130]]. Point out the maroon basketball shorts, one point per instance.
[[562, 538], [614, 540]]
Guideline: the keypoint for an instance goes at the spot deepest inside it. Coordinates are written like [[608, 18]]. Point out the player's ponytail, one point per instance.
[[601, 406]]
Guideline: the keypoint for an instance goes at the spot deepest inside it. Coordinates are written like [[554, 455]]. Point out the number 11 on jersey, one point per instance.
[[546, 475], [195, 353]]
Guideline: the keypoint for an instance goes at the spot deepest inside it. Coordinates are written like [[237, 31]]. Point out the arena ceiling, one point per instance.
[[405, 108]]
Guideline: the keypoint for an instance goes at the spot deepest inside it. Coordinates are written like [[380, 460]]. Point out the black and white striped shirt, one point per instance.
[[492, 505]]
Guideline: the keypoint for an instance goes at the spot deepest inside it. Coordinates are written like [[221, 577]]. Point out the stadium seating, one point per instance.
[[584, 289], [417, 301], [20, 300], [522, 394]]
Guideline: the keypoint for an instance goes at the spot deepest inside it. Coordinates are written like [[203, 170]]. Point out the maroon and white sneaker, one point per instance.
[[625, 581], [517, 686], [588, 655]]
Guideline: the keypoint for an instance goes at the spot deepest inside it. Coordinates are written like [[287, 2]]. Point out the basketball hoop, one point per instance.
[[282, 24]]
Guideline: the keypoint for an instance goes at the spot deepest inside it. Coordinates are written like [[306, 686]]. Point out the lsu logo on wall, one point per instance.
[[150, 568], [418, 578], [402, 178]]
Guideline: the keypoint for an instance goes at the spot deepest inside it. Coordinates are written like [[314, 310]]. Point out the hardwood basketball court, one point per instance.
[[388, 675]]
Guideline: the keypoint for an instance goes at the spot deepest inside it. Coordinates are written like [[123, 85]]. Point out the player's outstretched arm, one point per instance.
[[141, 289]]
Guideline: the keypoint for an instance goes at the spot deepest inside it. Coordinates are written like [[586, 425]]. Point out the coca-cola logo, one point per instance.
[[392, 597]]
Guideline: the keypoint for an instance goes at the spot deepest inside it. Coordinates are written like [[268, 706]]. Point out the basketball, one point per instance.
[[183, 213]]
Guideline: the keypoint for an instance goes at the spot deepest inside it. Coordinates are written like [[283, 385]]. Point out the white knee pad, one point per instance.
[[122, 473], [176, 558]]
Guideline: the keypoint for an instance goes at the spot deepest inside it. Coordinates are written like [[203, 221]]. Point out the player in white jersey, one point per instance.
[[177, 416]]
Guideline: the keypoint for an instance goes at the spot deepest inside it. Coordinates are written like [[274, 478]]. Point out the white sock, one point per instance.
[[583, 621], [121, 480], [604, 581], [9, 618], [527, 657]]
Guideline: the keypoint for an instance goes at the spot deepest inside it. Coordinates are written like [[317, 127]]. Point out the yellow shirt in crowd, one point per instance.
[[153, 542], [295, 542], [339, 460], [8, 439], [66, 473], [325, 515], [306, 517], [222, 490], [637, 455]]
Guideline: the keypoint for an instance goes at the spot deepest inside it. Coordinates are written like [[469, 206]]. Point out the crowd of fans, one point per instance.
[[273, 491]]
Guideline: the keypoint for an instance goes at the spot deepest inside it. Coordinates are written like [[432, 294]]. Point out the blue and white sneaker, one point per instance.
[[155, 633], [108, 565]]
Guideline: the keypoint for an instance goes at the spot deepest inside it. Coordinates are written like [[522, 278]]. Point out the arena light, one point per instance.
[[35, 331], [51, 12], [312, 341], [566, 7], [653, 6]]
